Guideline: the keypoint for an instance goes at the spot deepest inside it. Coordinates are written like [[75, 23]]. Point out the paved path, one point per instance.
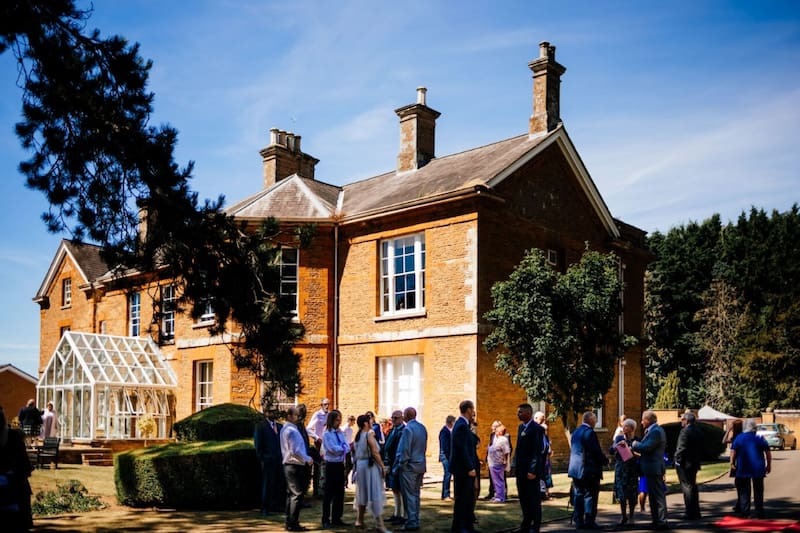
[[781, 501]]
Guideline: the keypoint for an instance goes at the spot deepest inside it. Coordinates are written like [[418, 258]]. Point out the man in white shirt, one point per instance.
[[315, 429], [295, 459]]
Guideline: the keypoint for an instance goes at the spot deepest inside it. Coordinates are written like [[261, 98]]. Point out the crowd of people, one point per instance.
[[388, 457], [317, 453]]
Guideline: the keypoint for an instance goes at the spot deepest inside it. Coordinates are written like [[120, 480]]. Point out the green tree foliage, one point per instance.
[[722, 321], [669, 394], [557, 335], [674, 288], [102, 166], [722, 308]]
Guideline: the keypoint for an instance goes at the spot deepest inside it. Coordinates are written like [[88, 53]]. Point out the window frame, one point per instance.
[[203, 388], [388, 276], [286, 280], [66, 292], [134, 314], [169, 303], [598, 412], [397, 399]]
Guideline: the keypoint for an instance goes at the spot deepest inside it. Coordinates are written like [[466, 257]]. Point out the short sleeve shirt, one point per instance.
[[750, 460], [498, 450]]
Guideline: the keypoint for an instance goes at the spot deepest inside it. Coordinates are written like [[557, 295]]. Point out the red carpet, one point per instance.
[[751, 524]]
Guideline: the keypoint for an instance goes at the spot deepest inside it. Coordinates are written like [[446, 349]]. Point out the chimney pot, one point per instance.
[[283, 157], [546, 91], [417, 133]]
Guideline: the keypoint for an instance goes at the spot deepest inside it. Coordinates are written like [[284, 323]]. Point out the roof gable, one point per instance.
[[560, 138], [85, 257]]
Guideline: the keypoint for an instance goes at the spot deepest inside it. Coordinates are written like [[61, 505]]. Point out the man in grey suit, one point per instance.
[[410, 466], [651, 448]]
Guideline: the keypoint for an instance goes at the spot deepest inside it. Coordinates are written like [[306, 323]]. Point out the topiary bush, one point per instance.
[[198, 475], [226, 421], [712, 439]]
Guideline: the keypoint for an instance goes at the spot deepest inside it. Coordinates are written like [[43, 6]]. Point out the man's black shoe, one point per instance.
[[339, 523], [591, 526], [327, 525], [397, 520], [296, 527]]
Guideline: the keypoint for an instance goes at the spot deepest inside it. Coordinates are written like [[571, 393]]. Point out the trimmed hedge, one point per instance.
[[226, 421], [712, 439], [200, 475]]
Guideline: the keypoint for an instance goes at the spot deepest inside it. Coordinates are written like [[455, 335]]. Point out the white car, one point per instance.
[[778, 436]]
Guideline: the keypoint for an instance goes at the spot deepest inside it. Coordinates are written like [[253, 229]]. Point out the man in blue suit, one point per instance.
[[651, 448], [529, 468], [586, 462], [268, 450], [464, 466], [411, 466], [444, 454]]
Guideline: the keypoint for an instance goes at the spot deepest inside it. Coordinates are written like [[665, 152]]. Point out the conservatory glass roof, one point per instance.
[[90, 358]]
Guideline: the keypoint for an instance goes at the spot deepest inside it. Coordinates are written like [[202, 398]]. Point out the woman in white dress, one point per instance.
[[370, 490], [49, 422]]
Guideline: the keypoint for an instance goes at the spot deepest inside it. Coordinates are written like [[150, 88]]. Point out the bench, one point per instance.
[[48, 450]]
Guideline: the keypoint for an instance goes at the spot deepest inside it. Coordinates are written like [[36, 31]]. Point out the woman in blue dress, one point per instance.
[[626, 472]]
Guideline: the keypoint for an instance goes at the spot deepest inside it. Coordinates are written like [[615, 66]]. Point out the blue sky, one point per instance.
[[678, 109]]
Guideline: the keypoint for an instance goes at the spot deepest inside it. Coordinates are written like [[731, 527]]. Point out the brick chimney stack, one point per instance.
[[417, 133], [546, 90], [283, 157]]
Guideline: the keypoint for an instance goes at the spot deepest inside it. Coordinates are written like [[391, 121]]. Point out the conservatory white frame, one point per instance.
[[101, 385]]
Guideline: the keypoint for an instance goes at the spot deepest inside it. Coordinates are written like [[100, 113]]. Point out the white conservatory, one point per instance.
[[100, 385]]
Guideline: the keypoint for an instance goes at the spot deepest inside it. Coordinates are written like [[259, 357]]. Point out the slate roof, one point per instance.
[[301, 199], [441, 176], [297, 198]]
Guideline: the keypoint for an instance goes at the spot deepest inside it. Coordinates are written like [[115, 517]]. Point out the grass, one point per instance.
[[435, 513]]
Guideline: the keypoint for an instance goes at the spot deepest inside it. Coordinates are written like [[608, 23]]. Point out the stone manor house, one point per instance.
[[392, 291]]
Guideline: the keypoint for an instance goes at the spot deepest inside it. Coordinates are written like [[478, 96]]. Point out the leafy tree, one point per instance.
[[723, 319], [557, 335], [103, 167], [669, 395], [675, 283], [722, 308]]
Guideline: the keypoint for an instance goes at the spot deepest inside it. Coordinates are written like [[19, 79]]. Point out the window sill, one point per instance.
[[414, 313], [66, 306], [203, 324]]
